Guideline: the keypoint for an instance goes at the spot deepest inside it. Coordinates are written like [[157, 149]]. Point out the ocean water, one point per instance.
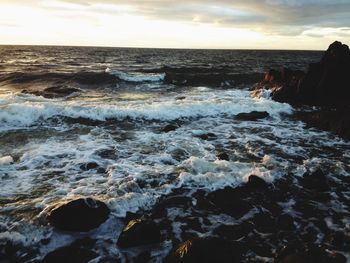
[[105, 140]]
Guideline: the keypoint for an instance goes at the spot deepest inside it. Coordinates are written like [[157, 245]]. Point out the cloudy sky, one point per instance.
[[262, 24]]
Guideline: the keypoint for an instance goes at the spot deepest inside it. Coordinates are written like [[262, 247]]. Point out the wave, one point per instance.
[[19, 112], [137, 77]]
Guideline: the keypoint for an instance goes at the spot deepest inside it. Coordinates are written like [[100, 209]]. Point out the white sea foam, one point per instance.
[[20, 111], [6, 160], [137, 77]]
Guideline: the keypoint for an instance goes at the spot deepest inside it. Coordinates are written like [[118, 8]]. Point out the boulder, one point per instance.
[[256, 182], [315, 180], [206, 250], [138, 233], [79, 215], [79, 251], [223, 156], [252, 116]]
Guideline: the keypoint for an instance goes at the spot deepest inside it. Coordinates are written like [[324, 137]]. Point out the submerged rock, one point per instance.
[[206, 250], [139, 232], [252, 116], [79, 215]]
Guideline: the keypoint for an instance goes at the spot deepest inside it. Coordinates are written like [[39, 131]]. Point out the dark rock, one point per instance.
[[206, 136], [89, 166], [206, 250], [228, 200], [233, 232], [325, 83], [336, 121], [139, 232], [252, 116], [337, 258], [285, 222], [256, 182], [264, 222], [315, 181], [223, 156], [79, 251], [169, 128], [143, 257], [79, 215]]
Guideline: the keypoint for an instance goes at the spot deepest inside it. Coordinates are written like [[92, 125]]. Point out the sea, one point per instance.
[[107, 140]]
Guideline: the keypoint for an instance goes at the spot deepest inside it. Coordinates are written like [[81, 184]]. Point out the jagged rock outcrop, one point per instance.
[[326, 83]]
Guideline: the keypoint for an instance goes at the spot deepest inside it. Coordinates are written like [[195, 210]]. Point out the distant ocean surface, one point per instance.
[[105, 139]]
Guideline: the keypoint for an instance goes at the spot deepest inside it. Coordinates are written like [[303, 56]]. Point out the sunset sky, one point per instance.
[[249, 24]]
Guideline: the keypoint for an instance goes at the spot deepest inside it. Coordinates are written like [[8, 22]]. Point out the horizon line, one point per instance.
[[173, 48]]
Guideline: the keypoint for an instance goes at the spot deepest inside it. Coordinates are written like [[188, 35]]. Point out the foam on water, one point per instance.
[[136, 77], [143, 164], [21, 111]]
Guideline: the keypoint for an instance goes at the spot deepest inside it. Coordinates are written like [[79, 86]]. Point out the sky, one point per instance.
[[222, 24]]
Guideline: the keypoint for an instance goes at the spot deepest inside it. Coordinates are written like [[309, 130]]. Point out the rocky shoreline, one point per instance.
[[290, 220], [325, 85]]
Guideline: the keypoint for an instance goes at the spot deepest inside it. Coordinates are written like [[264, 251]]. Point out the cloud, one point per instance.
[[281, 17], [286, 17]]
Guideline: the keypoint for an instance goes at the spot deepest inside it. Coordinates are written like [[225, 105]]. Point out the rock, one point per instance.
[[324, 84], [336, 121], [223, 156], [79, 215], [79, 251], [315, 181], [252, 116], [228, 201], [206, 250], [233, 232], [139, 232], [206, 136], [256, 182], [264, 222], [285, 222], [89, 166], [169, 128]]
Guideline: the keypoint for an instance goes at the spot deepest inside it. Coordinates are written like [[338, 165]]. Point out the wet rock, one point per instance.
[[325, 83], [143, 257], [233, 232], [139, 232], [285, 222], [79, 215], [89, 166], [206, 136], [169, 128], [315, 181], [228, 200], [256, 182], [264, 222], [78, 252], [206, 250], [252, 116], [13, 252], [336, 121], [223, 156]]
